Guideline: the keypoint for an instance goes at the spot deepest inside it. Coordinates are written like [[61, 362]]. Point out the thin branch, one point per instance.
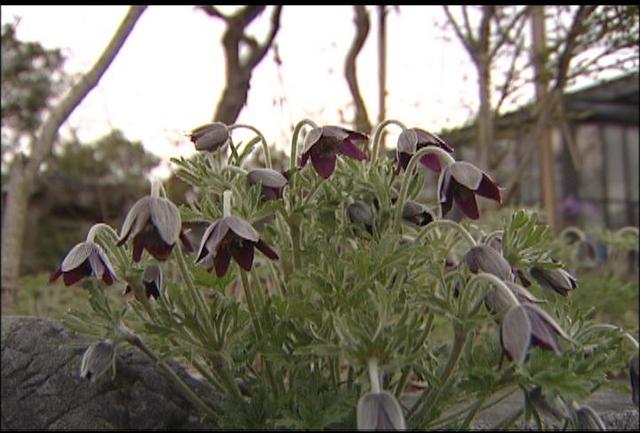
[[212, 11], [519, 18], [467, 26], [77, 93], [260, 52], [470, 49]]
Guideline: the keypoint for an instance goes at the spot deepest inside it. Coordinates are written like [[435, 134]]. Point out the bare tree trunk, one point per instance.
[[23, 173], [485, 116], [238, 71], [382, 71], [552, 101], [546, 159], [361, 21]]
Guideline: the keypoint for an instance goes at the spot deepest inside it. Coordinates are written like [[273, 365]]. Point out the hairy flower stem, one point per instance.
[[265, 146], [256, 325], [431, 396], [210, 411], [155, 188], [441, 422], [496, 281], [407, 370], [444, 157], [608, 326], [198, 300], [629, 229], [447, 223], [252, 308], [574, 230], [374, 375], [226, 203], [293, 156], [377, 136]]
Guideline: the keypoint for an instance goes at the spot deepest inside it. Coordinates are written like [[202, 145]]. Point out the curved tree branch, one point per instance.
[[24, 170], [239, 71], [362, 23]]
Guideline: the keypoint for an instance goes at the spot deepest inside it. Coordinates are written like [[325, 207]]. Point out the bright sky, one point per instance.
[[169, 75]]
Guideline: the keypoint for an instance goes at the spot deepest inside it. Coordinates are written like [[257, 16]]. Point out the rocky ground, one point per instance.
[[41, 388]]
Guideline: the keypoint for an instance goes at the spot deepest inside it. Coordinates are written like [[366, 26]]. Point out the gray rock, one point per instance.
[[42, 389]]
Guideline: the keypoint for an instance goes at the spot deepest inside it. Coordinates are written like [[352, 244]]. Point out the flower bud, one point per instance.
[[210, 137], [97, 359], [588, 419], [558, 280], [360, 213], [515, 333], [484, 258], [152, 280], [272, 182], [415, 213], [380, 411]]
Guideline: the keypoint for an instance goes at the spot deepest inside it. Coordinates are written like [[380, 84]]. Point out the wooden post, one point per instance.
[[382, 71], [546, 160]]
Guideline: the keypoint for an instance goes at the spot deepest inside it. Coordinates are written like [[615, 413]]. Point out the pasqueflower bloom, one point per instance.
[[272, 182], [414, 139], [231, 237], [461, 182], [323, 144], [155, 225], [84, 260]]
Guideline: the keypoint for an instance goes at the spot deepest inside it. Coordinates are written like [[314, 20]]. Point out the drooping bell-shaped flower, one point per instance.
[[97, 359], [380, 411], [154, 224], [461, 182], [322, 145], [210, 137], [496, 300], [483, 258], [231, 237], [86, 259], [558, 280], [526, 325], [272, 182], [588, 419], [413, 139]]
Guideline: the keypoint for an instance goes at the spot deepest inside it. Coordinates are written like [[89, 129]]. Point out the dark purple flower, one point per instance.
[[210, 137], [272, 182], [86, 259], [527, 325], [151, 280], [380, 411], [414, 139], [97, 359], [497, 300], [460, 183], [231, 237], [558, 280], [323, 144], [155, 225]]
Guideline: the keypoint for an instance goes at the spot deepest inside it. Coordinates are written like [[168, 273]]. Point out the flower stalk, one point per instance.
[[377, 136], [265, 146]]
